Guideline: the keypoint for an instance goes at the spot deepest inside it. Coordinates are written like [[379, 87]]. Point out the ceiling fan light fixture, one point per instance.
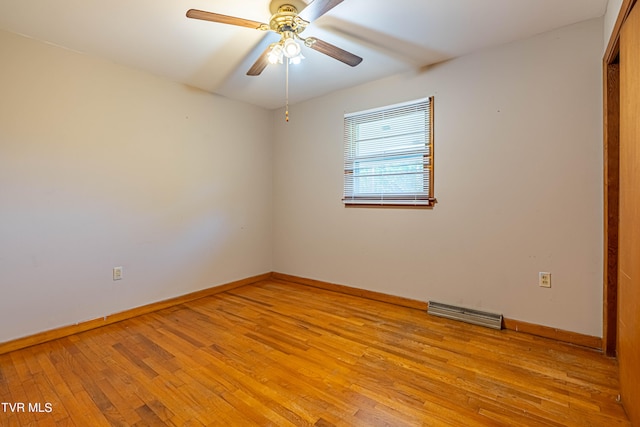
[[275, 54], [286, 22], [291, 48]]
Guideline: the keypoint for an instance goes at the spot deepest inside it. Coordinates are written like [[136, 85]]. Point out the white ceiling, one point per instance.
[[392, 36]]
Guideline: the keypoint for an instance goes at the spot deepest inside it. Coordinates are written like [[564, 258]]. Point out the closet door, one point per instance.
[[629, 231]]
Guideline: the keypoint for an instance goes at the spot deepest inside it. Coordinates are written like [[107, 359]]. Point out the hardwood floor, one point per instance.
[[280, 354]]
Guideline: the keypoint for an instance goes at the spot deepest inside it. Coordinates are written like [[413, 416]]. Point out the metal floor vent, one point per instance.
[[476, 317]]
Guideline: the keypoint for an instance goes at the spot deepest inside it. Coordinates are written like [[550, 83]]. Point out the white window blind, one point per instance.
[[388, 155]]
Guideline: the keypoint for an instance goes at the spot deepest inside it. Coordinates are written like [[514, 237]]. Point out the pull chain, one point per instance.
[[286, 91]]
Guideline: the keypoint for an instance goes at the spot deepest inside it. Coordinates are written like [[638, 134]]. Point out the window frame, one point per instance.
[[422, 199]]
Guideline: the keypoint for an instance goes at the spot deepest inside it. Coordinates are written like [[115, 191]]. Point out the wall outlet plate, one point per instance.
[[117, 273], [544, 279]]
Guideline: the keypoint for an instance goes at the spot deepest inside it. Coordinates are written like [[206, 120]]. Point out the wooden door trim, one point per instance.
[[613, 46], [611, 185], [611, 158]]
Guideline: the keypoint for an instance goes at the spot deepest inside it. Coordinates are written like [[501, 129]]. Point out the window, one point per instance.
[[388, 155]]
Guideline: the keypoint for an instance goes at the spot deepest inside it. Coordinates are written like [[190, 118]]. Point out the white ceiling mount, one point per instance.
[[277, 4]]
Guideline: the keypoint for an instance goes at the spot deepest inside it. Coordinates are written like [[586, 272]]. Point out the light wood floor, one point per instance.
[[285, 354]]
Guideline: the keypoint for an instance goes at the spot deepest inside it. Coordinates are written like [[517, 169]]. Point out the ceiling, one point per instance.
[[392, 37]]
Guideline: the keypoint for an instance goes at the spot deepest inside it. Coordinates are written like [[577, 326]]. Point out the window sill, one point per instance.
[[390, 204]]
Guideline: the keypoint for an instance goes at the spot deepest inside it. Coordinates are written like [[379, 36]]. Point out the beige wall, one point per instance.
[[104, 166], [518, 176]]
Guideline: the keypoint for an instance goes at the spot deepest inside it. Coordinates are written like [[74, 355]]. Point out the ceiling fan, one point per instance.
[[288, 22]]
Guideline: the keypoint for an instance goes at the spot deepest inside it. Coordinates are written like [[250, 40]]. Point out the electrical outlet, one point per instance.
[[117, 273], [544, 279]]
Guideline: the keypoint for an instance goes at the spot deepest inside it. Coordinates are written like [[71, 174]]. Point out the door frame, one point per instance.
[[611, 187]]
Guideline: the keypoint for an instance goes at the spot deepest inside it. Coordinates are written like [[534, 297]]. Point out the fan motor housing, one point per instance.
[[286, 19]]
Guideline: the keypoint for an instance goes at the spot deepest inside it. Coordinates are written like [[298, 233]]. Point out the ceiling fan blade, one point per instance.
[[317, 8], [261, 63], [224, 19], [333, 51]]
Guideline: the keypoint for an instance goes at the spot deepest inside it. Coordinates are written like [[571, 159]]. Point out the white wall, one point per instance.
[[518, 177], [104, 166]]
